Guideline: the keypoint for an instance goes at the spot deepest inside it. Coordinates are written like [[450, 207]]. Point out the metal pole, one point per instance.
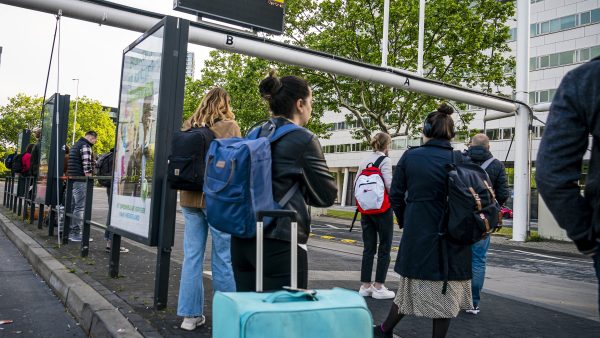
[[75, 116], [522, 179], [384, 40], [421, 37], [224, 39]]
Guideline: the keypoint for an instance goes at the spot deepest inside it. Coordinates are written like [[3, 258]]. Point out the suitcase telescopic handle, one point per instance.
[[293, 215]]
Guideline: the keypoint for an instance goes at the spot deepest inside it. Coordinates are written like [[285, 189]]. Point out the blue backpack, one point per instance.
[[238, 181]]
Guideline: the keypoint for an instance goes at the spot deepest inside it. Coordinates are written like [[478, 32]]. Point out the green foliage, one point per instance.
[[91, 116], [465, 44], [21, 112]]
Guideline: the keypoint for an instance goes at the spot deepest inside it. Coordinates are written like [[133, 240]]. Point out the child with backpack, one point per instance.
[[214, 113], [435, 273], [371, 190], [299, 175]]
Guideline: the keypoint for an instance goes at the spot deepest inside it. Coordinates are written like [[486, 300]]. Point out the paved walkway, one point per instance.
[[26, 300]]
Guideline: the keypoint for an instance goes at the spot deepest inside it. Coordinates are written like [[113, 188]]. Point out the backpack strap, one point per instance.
[[354, 220], [487, 163], [288, 195], [379, 160], [282, 131]]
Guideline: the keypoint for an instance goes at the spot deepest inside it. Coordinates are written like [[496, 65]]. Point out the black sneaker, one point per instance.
[[378, 332]]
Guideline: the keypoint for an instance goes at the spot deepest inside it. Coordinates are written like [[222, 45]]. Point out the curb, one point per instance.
[[96, 316]]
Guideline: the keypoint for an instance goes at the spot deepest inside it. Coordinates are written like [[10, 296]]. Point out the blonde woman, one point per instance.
[[214, 112], [377, 226]]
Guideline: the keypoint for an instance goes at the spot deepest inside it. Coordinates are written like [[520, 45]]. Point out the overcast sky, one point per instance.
[[89, 52]]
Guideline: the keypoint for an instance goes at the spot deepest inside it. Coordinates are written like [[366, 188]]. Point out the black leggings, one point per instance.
[[276, 263]]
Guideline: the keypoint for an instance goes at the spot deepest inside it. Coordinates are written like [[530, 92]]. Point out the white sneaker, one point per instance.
[[382, 293], [191, 323], [365, 292]]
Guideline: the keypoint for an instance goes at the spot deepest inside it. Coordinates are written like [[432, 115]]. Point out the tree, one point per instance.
[[465, 44], [92, 116], [21, 112], [24, 112]]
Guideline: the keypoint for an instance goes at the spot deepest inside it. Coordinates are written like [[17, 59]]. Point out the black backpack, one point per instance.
[[104, 167], [187, 162], [17, 163], [472, 211], [9, 161]]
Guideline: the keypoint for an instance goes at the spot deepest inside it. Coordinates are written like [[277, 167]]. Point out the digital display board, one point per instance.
[[264, 15], [44, 147]]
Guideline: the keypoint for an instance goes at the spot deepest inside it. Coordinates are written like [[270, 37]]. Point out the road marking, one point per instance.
[[327, 237], [552, 257], [351, 241]]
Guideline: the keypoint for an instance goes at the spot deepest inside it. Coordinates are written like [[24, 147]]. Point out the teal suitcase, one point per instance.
[[336, 313]]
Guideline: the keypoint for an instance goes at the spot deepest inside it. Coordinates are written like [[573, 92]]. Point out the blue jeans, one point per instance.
[[191, 289], [479, 251], [79, 192]]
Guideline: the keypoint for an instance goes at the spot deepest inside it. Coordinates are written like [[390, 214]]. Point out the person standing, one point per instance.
[[81, 163], [418, 197], [377, 225], [215, 113], [26, 161], [296, 158], [574, 115], [35, 153], [479, 152]]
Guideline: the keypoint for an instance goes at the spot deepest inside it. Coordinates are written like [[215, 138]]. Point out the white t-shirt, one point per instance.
[[385, 167]]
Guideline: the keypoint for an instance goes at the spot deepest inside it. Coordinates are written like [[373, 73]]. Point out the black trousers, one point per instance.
[[276, 264], [381, 225]]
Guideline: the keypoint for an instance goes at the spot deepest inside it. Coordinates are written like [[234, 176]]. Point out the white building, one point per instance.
[[190, 65], [564, 34]]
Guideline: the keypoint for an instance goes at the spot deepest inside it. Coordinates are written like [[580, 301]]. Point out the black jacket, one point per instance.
[[495, 170], [418, 197], [574, 115], [297, 157]]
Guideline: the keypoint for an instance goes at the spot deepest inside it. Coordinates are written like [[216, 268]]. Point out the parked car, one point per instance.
[[506, 212]]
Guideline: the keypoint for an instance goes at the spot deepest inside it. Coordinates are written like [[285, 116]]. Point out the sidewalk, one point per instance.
[[130, 296]]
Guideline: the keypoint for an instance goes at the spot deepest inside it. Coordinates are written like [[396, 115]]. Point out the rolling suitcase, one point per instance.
[[336, 313]]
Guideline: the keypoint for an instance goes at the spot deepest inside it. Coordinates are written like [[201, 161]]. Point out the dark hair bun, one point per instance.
[[444, 108], [270, 85]]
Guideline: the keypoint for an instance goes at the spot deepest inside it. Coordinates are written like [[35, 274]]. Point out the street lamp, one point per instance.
[[75, 117]]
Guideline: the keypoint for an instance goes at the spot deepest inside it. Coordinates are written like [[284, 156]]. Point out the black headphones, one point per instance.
[[427, 127]]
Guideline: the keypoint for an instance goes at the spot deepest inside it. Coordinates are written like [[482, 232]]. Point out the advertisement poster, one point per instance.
[[45, 151], [136, 136]]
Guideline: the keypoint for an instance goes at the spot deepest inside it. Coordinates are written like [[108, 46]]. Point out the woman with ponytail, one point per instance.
[[418, 197], [296, 159]]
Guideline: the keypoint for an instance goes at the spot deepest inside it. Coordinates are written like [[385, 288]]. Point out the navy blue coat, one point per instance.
[[418, 196]]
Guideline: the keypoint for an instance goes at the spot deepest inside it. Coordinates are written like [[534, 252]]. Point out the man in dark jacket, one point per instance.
[[574, 115], [81, 163], [479, 152]]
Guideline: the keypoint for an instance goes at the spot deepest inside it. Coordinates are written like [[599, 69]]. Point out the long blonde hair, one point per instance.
[[215, 106]]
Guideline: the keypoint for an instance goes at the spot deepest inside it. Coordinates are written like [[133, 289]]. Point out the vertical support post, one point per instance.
[[115, 255], [26, 197], [522, 179], [51, 215], [16, 193], [384, 40], [41, 216], [87, 216], [20, 195], [421, 37], [5, 191], [68, 207], [32, 204], [345, 187], [166, 236]]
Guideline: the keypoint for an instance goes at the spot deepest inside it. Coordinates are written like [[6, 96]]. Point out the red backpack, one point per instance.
[[369, 190]]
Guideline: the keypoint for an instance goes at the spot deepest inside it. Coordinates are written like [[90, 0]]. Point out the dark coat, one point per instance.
[[574, 115], [421, 175], [495, 170], [297, 157]]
